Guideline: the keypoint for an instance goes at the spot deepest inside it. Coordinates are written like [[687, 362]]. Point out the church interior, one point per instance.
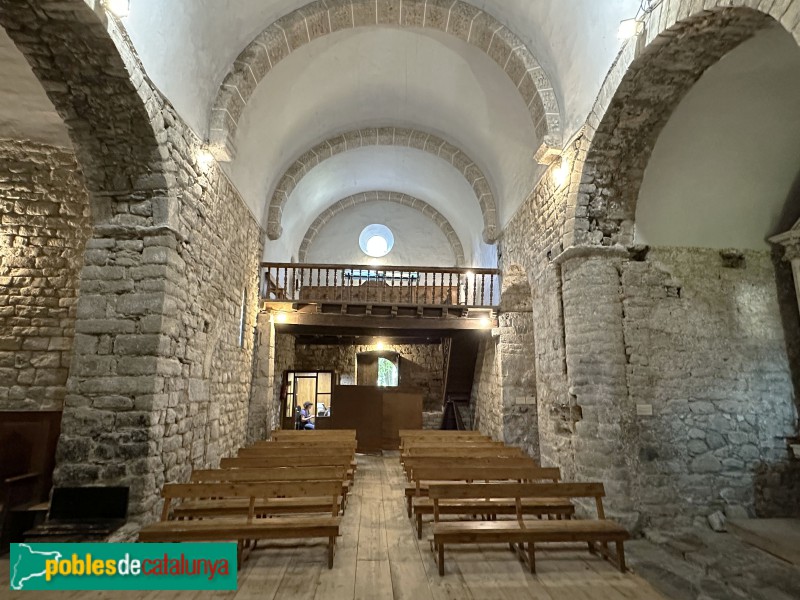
[[550, 248]]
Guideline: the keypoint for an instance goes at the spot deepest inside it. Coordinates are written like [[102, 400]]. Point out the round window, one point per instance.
[[376, 241]]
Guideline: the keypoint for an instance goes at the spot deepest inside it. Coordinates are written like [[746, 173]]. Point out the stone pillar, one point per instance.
[[790, 242], [125, 382], [260, 415], [605, 439]]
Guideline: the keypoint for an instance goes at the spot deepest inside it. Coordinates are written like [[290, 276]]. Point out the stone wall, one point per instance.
[[421, 365], [284, 361], [707, 355], [486, 399], [162, 362], [44, 212]]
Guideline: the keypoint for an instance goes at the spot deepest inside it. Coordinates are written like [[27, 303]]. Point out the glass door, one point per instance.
[[313, 389]]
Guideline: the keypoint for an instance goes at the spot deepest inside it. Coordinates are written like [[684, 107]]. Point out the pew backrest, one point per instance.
[[253, 490], [270, 474]]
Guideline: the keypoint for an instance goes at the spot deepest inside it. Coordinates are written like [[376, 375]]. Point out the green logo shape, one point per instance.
[[99, 566]]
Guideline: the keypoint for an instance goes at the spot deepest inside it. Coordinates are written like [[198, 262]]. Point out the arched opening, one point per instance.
[[701, 317]]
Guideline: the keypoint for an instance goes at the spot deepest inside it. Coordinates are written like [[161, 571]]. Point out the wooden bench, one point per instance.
[[489, 508], [422, 477], [464, 453], [246, 528], [411, 462], [519, 532], [288, 454], [292, 434], [327, 473], [266, 462]]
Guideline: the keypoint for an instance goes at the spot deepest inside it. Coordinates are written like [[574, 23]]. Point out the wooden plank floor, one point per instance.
[[379, 557]]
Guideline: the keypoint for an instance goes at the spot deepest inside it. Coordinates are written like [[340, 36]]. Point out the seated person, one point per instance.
[[306, 420]]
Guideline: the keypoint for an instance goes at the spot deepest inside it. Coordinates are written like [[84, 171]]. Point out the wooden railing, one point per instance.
[[363, 284]]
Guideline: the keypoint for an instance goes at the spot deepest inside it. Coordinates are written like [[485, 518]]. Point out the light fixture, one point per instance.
[[119, 8], [204, 158], [485, 322], [281, 317], [561, 172], [380, 346], [630, 28]]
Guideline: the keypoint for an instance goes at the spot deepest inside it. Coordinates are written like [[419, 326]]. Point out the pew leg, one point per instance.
[[441, 560], [621, 557], [419, 526], [409, 504], [331, 550], [592, 549], [512, 547], [532, 557]]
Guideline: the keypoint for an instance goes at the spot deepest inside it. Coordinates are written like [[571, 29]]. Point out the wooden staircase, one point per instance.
[[460, 356]]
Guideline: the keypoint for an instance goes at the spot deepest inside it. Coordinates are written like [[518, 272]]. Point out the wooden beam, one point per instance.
[[310, 323]]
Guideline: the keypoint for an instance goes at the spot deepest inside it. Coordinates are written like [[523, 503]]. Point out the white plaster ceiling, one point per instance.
[[417, 240], [722, 171], [25, 110], [411, 172], [387, 77], [187, 46]]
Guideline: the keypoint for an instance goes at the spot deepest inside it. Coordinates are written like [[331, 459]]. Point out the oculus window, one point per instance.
[[376, 241]]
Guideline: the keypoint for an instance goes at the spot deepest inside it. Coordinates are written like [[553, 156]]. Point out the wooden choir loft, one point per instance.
[[394, 346]]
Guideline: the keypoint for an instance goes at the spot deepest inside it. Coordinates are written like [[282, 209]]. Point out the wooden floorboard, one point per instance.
[[378, 557]]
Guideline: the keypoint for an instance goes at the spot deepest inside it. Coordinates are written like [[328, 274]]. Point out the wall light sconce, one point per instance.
[[561, 172], [486, 322], [630, 28], [204, 158], [380, 346], [119, 8], [281, 317]]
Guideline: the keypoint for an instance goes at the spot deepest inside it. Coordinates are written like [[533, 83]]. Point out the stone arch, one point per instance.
[[640, 93], [323, 17], [385, 136], [118, 125], [380, 196], [94, 80]]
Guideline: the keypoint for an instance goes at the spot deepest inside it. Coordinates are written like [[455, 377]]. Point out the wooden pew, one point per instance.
[[304, 444], [444, 463], [463, 453], [290, 453], [257, 474], [419, 488], [266, 462], [519, 532], [248, 527], [488, 507], [292, 434]]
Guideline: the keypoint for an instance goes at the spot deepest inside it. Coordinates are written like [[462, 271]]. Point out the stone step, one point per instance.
[[779, 537]]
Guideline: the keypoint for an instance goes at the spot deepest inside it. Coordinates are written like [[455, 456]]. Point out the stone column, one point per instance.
[[790, 242], [260, 414], [605, 439]]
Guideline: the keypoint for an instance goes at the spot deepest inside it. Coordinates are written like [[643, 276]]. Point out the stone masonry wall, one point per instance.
[[421, 365], [44, 225], [159, 382], [284, 361], [160, 371], [260, 412], [707, 354], [486, 399]]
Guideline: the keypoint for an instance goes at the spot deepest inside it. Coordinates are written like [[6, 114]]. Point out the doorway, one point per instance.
[[315, 387]]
